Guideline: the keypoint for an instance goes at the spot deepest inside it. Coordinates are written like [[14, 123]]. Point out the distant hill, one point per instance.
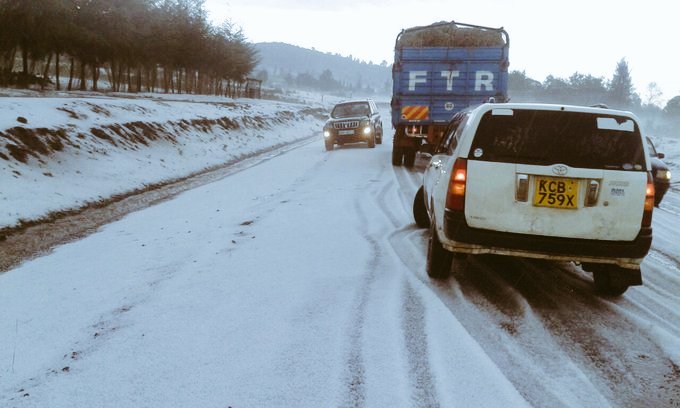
[[282, 61]]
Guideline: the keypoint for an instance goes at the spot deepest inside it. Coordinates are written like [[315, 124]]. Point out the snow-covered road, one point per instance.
[[301, 282]]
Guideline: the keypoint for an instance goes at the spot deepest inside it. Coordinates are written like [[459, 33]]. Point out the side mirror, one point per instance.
[[660, 155]]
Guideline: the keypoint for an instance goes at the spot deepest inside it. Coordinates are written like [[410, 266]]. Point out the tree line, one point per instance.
[[585, 89], [138, 45], [323, 82]]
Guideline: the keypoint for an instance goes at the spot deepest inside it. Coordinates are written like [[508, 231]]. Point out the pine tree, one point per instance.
[[621, 89], [673, 107]]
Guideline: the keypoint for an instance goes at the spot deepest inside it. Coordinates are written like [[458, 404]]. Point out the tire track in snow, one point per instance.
[[415, 335], [669, 260], [355, 378], [414, 331], [588, 348], [382, 201]]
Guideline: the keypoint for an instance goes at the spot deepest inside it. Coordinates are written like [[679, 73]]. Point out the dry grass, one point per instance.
[[450, 35]]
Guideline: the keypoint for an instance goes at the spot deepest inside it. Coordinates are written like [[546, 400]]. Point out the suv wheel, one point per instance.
[[438, 259], [419, 211], [379, 136], [606, 284], [329, 144], [371, 141]]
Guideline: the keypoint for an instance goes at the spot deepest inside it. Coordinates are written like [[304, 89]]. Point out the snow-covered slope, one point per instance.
[[61, 153]]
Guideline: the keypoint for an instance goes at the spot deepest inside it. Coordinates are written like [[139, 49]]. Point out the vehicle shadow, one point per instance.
[[547, 314]]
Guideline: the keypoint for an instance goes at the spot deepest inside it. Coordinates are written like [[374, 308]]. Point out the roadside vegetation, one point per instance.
[[585, 89], [658, 118], [133, 45]]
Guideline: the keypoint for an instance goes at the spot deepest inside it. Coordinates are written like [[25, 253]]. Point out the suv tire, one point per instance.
[[420, 214], [438, 263], [606, 285], [371, 141], [329, 145]]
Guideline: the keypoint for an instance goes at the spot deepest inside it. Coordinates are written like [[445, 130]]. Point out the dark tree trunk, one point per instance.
[[46, 71], [139, 79], [12, 59], [83, 80], [154, 75], [148, 79], [56, 71], [24, 58], [119, 77], [95, 76], [109, 74], [70, 78]]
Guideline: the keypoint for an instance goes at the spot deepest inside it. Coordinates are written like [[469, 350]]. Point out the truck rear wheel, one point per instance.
[[396, 151], [409, 157], [396, 156]]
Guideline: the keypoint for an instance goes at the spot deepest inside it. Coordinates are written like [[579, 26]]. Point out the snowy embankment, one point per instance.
[[63, 153]]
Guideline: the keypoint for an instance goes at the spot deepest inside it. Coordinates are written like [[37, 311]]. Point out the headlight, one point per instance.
[[365, 122], [663, 174], [367, 130], [326, 133]]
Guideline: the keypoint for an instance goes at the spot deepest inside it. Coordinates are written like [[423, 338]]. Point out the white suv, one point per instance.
[[556, 182]]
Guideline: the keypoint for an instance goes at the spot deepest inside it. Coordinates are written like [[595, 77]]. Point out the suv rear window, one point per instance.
[[577, 139], [347, 110]]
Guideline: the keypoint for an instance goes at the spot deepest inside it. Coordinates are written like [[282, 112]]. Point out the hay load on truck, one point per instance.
[[439, 70]]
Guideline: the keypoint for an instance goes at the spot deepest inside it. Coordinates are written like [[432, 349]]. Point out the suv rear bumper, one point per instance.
[[475, 240]]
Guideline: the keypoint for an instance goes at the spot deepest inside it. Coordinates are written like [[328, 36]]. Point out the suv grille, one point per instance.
[[346, 125]]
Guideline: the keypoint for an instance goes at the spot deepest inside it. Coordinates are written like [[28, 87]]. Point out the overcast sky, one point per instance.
[[546, 37]]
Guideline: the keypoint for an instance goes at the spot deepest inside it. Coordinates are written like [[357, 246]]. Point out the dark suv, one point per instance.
[[662, 175], [353, 121]]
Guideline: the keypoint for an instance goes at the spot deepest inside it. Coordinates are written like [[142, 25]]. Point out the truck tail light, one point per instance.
[[522, 187], [592, 193], [649, 202], [455, 198]]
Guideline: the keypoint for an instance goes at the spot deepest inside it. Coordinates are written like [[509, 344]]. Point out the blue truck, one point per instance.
[[439, 70]]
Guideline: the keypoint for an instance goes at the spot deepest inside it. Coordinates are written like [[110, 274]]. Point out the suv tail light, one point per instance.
[[455, 198], [522, 187], [649, 202], [592, 192]]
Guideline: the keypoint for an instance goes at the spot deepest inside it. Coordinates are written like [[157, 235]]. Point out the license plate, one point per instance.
[[345, 132], [556, 192]]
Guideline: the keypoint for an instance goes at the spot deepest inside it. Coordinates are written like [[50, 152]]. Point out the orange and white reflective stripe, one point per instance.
[[415, 112]]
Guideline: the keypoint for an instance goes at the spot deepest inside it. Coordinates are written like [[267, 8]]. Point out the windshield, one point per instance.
[[347, 110], [576, 139]]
